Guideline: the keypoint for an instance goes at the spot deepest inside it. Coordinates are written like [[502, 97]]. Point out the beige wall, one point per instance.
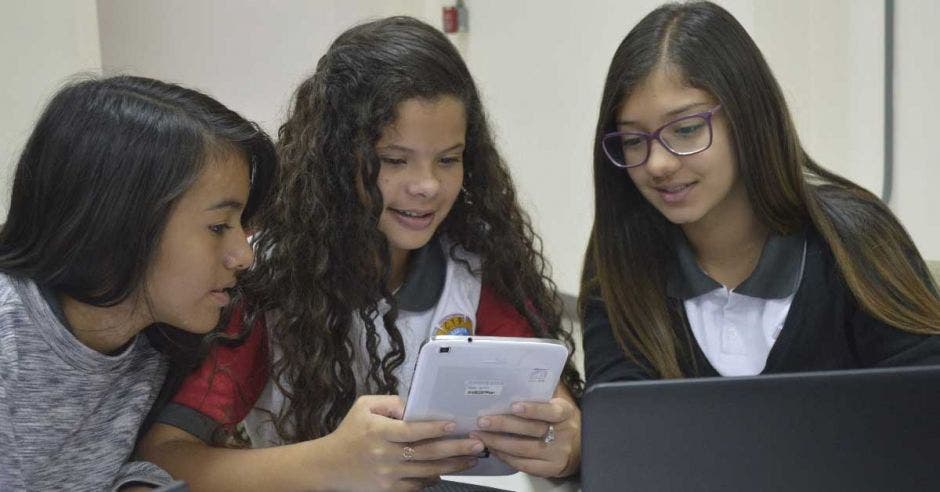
[[541, 67], [917, 146], [250, 55], [539, 64], [42, 42]]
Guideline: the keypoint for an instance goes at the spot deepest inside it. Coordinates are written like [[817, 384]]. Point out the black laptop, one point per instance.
[[859, 430]]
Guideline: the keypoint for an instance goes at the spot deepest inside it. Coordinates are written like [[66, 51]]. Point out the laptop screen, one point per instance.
[[873, 429]]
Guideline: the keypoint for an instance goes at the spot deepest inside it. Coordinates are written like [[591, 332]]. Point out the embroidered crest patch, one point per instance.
[[454, 324]]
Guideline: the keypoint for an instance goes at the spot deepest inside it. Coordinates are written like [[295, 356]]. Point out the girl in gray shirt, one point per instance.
[[125, 233]]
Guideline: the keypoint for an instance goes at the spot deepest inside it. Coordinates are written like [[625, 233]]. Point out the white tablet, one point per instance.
[[461, 378]]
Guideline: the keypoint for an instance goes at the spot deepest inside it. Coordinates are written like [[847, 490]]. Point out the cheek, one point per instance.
[[727, 168], [636, 175], [179, 283], [386, 188], [454, 185]]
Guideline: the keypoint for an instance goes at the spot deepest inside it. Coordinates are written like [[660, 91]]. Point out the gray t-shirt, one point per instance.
[[69, 415]]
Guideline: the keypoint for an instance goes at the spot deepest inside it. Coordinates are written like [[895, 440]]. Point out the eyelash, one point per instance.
[[219, 229], [392, 161], [447, 161]]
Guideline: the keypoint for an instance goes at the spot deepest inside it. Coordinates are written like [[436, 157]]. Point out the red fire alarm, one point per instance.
[[451, 23]]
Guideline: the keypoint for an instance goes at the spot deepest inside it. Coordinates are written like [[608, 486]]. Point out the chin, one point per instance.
[[682, 218], [412, 244], [202, 325]]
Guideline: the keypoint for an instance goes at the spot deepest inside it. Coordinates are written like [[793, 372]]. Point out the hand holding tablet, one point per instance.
[[463, 378]]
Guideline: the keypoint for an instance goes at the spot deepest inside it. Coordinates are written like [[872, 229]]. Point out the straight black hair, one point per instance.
[[100, 174]]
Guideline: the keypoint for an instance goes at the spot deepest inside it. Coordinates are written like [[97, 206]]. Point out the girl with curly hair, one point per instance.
[[395, 219], [719, 246]]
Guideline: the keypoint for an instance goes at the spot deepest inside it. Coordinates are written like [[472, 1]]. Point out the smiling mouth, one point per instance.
[[674, 194], [410, 214], [674, 189], [413, 220]]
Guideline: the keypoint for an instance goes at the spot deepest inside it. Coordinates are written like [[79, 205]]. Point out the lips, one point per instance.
[[413, 219], [222, 296], [674, 193]]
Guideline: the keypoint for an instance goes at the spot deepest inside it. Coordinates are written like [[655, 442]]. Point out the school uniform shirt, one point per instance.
[[440, 296], [69, 415], [793, 314], [736, 328]]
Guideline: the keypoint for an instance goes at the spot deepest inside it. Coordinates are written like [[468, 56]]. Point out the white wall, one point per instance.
[[539, 64], [42, 42], [541, 67], [249, 55], [917, 161]]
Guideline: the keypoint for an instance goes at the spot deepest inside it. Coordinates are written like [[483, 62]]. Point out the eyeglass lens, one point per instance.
[[683, 137]]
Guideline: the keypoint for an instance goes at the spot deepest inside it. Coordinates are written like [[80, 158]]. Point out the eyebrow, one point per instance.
[[229, 203], [402, 148], [674, 112]]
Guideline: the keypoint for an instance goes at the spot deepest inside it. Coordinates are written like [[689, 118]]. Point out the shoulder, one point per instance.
[[14, 315], [498, 317], [10, 297], [230, 379]]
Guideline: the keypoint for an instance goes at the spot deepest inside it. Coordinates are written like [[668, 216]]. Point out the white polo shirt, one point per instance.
[[736, 328], [440, 296]]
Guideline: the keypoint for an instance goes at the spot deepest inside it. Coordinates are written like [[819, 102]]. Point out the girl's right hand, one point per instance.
[[373, 449]]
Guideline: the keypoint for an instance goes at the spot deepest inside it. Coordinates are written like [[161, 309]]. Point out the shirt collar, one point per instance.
[[52, 300], [776, 276], [427, 271]]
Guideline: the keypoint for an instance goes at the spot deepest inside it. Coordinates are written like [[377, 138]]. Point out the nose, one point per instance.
[[240, 256], [423, 180], [661, 163]]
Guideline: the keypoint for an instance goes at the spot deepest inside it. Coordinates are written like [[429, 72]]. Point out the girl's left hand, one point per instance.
[[523, 440]]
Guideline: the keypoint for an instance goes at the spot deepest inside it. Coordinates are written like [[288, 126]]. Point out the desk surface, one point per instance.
[[520, 482]]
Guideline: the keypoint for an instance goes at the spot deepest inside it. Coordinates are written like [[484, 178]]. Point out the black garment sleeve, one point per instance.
[[604, 360], [189, 420], [881, 345]]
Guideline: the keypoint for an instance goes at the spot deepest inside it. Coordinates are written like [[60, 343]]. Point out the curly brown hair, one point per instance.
[[322, 261]]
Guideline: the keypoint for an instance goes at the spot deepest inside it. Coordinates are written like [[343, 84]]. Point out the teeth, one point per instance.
[[410, 214]]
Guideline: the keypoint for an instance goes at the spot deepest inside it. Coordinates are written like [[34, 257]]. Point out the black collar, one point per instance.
[[427, 271], [776, 276]]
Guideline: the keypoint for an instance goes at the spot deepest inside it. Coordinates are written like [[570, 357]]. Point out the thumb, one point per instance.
[[389, 406]]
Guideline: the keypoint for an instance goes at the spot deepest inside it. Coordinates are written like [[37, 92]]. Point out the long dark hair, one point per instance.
[[630, 246], [100, 174], [322, 262]]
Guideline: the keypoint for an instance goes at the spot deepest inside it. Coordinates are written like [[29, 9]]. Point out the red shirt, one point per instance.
[[230, 380]]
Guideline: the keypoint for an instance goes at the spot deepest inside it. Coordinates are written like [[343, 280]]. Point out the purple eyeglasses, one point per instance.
[[683, 136]]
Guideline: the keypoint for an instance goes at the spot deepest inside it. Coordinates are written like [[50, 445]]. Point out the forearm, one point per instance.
[[301, 466]]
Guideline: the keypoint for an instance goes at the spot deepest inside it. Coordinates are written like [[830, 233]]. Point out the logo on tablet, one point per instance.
[[455, 324]]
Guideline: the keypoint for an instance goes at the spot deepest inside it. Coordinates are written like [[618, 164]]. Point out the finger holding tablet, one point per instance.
[[541, 439], [377, 450]]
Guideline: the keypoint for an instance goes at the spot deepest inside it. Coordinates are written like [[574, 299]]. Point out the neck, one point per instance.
[[104, 329], [728, 246]]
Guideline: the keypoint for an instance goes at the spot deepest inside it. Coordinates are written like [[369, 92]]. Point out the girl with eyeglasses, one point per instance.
[[719, 246], [395, 219]]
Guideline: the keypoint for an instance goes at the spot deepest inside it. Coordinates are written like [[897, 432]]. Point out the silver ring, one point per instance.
[[408, 453], [549, 436]]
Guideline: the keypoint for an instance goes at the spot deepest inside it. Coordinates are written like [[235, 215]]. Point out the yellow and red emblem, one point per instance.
[[455, 324]]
